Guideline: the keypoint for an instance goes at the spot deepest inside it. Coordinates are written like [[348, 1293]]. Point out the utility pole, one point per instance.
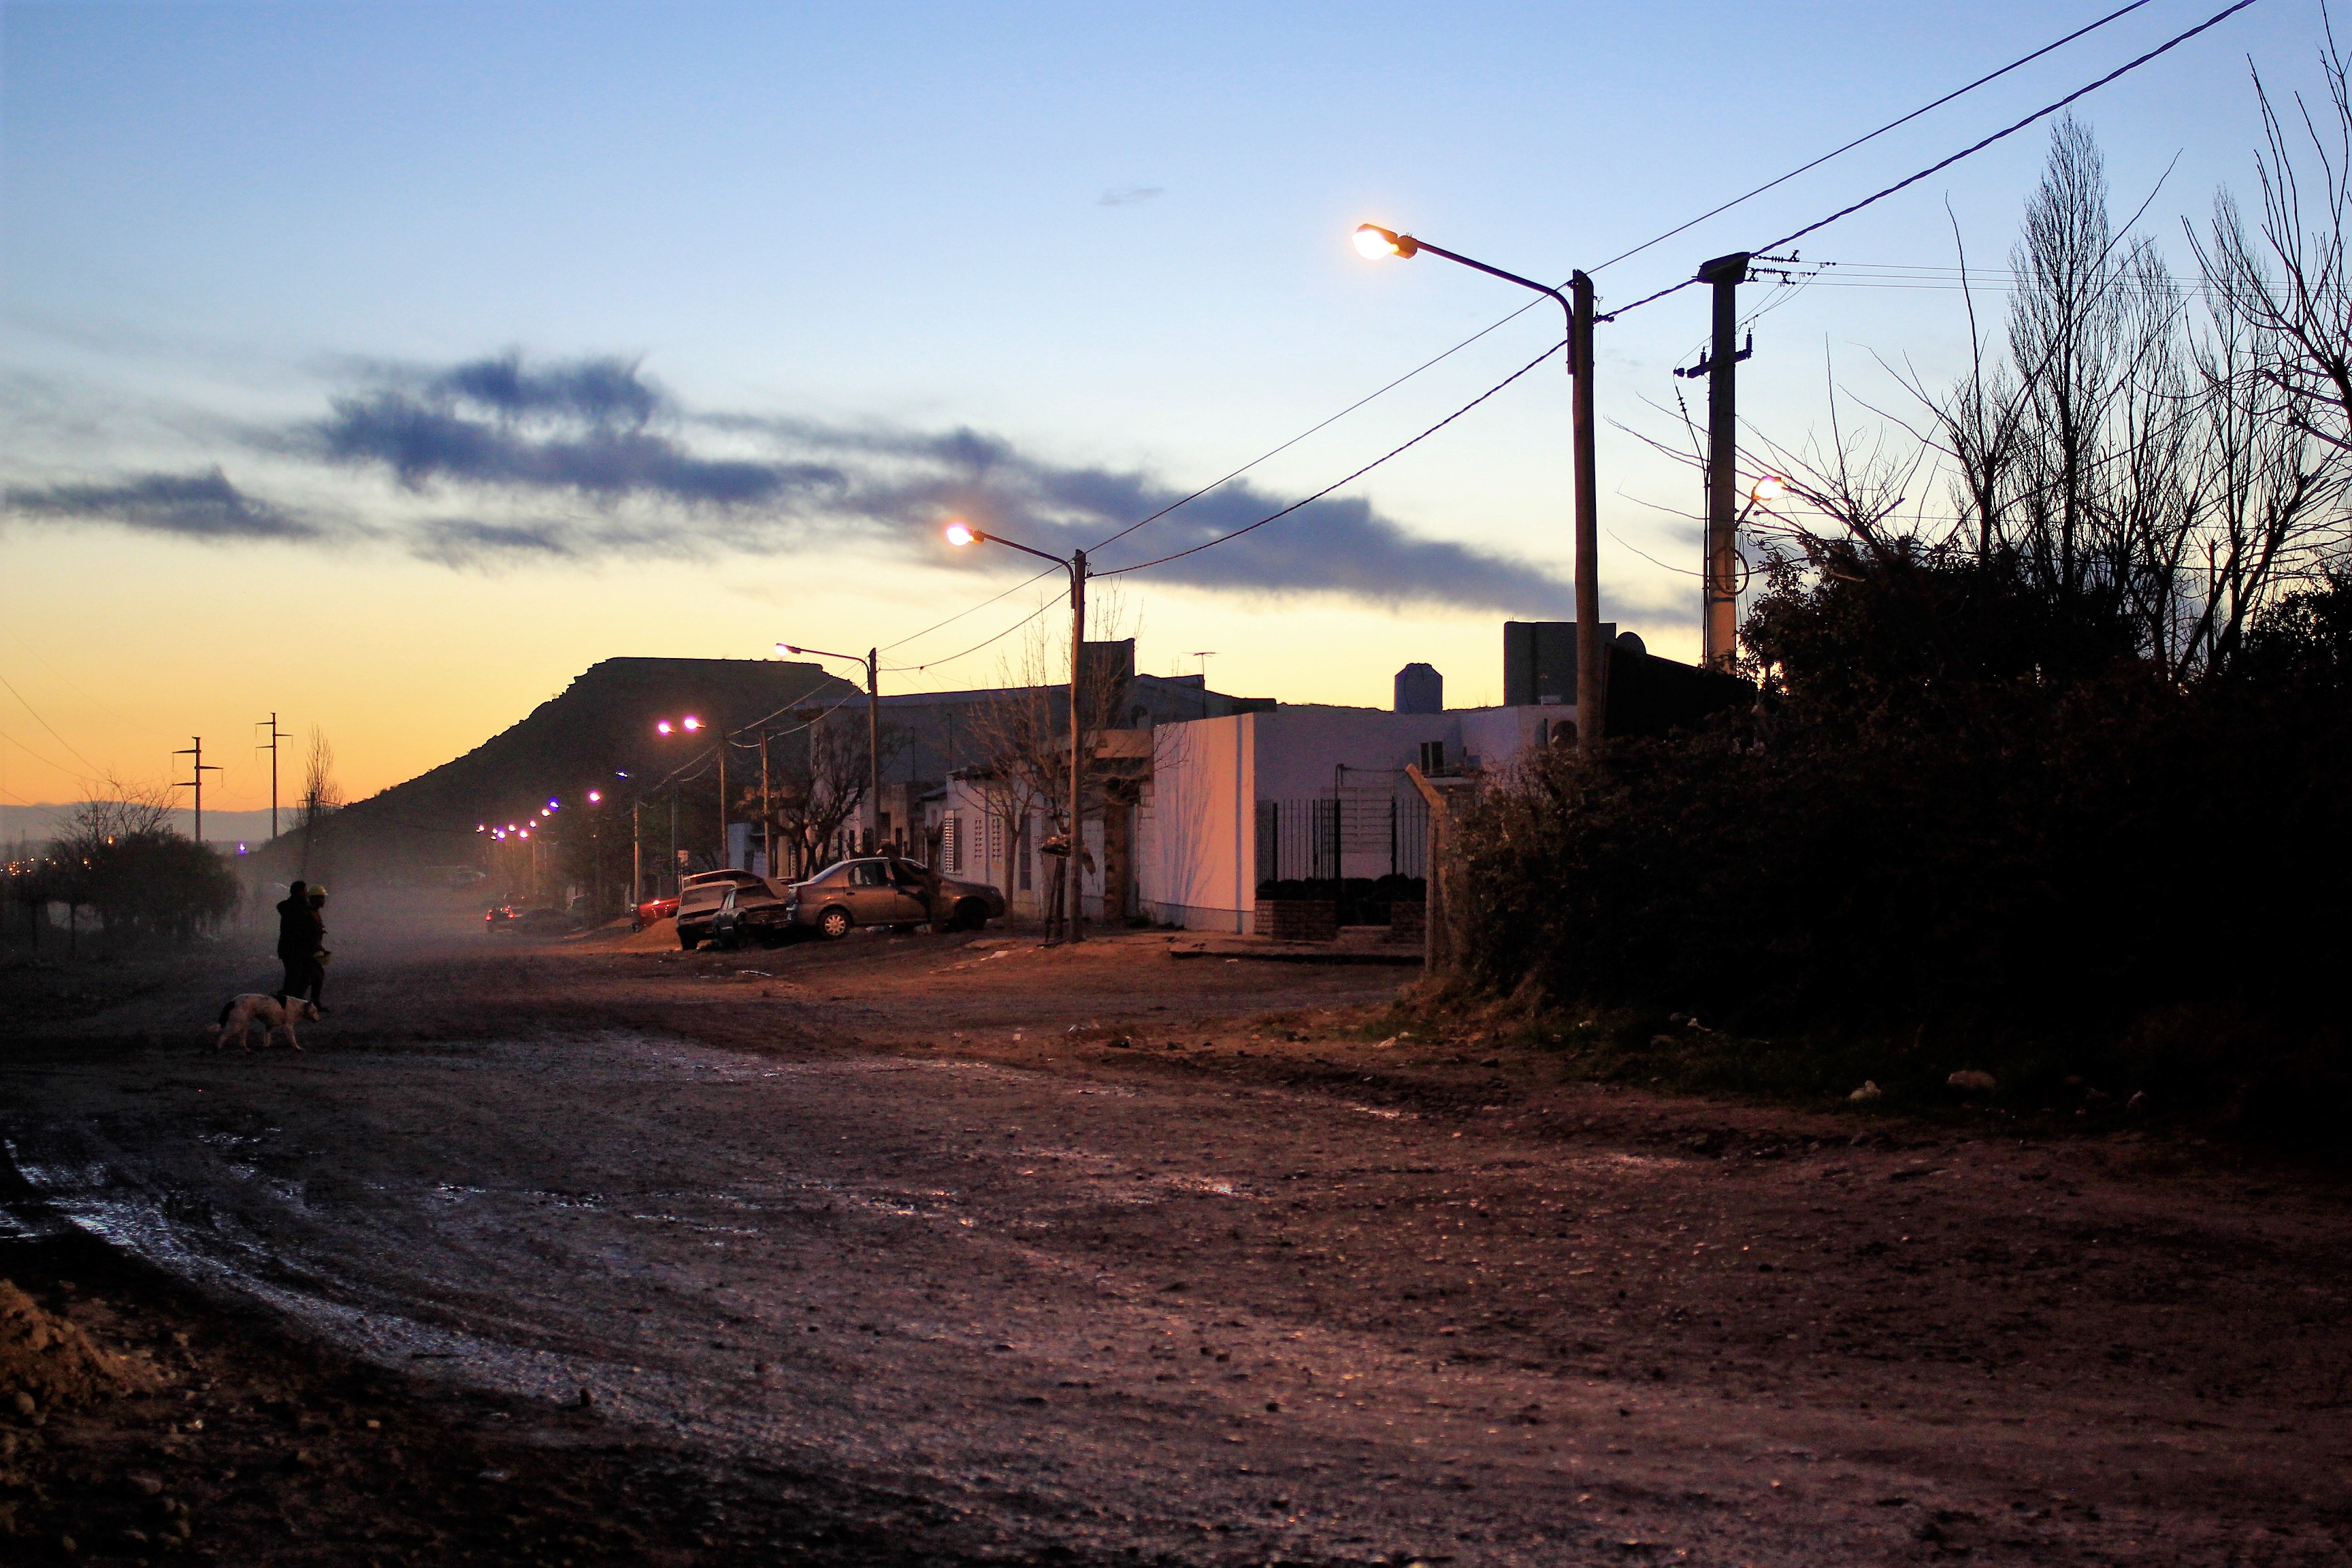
[[1591, 678], [196, 770], [874, 743], [1075, 881], [275, 735], [767, 808], [1720, 574], [636, 857]]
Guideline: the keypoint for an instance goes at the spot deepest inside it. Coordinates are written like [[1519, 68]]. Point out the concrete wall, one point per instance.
[[1196, 839], [1196, 833]]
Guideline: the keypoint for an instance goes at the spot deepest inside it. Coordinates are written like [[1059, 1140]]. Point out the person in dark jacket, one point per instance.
[[318, 956], [299, 929]]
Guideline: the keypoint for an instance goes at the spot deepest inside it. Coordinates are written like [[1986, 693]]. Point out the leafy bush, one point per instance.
[[2104, 874]]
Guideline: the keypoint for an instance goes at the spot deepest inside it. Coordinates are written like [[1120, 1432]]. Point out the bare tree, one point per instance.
[[1024, 733], [818, 777], [2289, 278], [321, 796]]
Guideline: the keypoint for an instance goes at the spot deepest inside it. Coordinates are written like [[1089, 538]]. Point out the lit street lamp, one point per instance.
[[961, 533], [1592, 691], [873, 663], [689, 725]]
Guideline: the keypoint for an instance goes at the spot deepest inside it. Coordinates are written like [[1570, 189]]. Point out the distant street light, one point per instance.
[[689, 725], [1592, 693], [961, 533], [873, 663]]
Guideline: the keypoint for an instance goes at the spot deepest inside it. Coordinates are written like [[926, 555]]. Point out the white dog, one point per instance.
[[237, 1019]]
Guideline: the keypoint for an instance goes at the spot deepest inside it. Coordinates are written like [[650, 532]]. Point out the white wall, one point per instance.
[[1196, 834], [1196, 847]]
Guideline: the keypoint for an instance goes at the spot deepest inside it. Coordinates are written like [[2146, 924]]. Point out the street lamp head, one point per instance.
[[787, 647], [1374, 242], [1768, 487], [663, 728], [691, 724], [594, 796], [961, 533], [553, 802]]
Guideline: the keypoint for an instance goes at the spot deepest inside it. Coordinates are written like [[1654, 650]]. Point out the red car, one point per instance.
[[653, 909]]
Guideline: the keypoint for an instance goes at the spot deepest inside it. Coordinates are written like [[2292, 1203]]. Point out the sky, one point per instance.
[[384, 366]]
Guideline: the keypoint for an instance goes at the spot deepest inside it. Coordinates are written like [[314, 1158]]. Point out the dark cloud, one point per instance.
[[629, 474], [195, 506], [580, 426]]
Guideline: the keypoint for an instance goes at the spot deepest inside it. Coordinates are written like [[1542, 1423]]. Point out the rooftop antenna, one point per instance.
[[1205, 656]]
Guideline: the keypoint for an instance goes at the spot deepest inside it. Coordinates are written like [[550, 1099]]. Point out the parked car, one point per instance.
[[653, 909], [530, 922], [698, 901], [877, 892], [751, 914]]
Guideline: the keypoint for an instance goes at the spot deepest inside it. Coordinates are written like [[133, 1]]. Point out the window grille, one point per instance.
[[951, 840]]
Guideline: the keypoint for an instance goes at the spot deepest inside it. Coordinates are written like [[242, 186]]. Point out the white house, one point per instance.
[[1301, 791]]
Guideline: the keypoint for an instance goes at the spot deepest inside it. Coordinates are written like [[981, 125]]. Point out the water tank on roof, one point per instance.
[[1419, 689]]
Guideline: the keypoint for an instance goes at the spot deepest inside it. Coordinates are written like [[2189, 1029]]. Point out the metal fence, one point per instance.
[[1357, 832], [1297, 840]]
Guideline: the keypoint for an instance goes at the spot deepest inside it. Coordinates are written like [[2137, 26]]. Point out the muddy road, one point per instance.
[[1221, 1276]]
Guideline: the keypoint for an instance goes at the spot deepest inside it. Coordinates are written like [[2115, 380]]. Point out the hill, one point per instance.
[[598, 727]]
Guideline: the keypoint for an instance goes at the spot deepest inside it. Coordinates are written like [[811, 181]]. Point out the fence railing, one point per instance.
[[1354, 833]]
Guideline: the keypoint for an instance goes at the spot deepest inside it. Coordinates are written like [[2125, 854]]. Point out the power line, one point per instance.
[[2128, 67], [1465, 342], [1204, 489], [94, 768], [77, 778], [1890, 125], [1360, 473]]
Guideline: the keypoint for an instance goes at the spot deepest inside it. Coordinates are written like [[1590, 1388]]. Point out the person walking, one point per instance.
[[318, 953], [299, 930]]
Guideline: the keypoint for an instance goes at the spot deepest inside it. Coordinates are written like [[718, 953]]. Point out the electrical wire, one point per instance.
[[52, 729], [1400, 381], [1890, 125], [36, 756], [2129, 66], [1360, 473]]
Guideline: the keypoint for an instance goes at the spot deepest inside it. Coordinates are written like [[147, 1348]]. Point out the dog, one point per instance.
[[241, 1013]]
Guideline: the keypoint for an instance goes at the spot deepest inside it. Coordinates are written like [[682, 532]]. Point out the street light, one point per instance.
[[689, 725], [1592, 693], [873, 663], [961, 533]]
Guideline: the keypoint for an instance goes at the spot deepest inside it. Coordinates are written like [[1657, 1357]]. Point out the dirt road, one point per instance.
[[1182, 1287]]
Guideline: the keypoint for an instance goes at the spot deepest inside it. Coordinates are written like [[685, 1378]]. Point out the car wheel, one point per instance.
[[833, 924], [971, 915], [689, 943]]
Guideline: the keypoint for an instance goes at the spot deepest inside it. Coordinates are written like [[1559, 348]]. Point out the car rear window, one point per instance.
[[705, 897]]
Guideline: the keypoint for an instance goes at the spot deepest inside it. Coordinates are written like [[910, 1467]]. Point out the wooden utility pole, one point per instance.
[[874, 745], [1719, 577], [1592, 678], [197, 768], [1072, 881], [767, 809]]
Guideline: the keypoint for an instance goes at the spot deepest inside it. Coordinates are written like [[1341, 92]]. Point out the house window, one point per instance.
[[995, 839], [951, 840]]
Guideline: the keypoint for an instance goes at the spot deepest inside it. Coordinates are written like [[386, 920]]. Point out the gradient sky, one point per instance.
[[388, 364]]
